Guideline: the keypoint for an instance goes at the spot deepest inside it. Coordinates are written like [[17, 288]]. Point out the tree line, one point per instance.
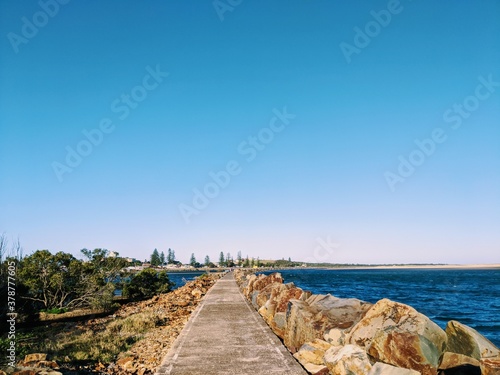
[[60, 282], [228, 261]]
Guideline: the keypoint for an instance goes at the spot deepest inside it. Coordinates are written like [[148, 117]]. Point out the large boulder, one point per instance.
[[273, 311], [263, 295], [380, 368], [347, 360], [256, 283], [399, 335], [262, 282], [310, 319], [467, 341], [278, 299], [312, 352], [251, 279], [405, 349], [279, 324]]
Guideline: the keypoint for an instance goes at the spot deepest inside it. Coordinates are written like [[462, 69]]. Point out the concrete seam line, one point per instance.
[[182, 337]]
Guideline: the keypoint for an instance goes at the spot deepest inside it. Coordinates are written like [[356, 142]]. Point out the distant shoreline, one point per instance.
[[416, 266], [353, 267]]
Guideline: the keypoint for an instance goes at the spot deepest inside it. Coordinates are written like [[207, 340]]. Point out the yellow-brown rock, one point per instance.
[[467, 341], [490, 366], [399, 335], [380, 368], [335, 337], [450, 360], [347, 360], [312, 352], [405, 349], [262, 282], [316, 369], [310, 319], [389, 314], [34, 357]]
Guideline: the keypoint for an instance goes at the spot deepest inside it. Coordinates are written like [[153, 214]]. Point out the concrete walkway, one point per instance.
[[225, 335]]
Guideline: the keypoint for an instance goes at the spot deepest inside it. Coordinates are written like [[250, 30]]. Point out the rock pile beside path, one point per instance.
[[174, 309], [330, 335], [169, 311]]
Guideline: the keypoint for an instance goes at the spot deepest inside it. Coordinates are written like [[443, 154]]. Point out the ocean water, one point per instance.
[[179, 277], [470, 296]]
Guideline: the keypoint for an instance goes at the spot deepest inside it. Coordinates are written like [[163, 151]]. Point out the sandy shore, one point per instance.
[[424, 266]]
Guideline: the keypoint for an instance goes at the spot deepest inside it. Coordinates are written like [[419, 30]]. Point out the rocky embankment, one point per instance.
[[170, 311], [342, 336]]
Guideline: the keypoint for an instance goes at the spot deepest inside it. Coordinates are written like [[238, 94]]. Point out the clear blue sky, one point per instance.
[[329, 173]]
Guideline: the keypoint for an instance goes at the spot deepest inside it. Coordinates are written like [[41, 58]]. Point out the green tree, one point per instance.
[[171, 256], [193, 261], [51, 280], [239, 258], [162, 258], [207, 261], [99, 273], [62, 281], [155, 258], [222, 262], [146, 284], [246, 264]]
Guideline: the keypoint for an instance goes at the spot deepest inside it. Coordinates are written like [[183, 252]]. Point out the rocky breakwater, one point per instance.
[[341, 336]]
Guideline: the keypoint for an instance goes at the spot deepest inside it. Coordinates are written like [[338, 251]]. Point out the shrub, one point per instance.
[[147, 283]]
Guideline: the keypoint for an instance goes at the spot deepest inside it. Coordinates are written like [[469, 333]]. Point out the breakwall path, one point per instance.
[[225, 335]]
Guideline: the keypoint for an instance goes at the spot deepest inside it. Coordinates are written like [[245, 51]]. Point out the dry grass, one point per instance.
[[94, 342]]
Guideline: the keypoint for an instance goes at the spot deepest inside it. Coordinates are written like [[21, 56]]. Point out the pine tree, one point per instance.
[[155, 258], [207, 261], [239, 258], [171, 256], [192, 261], [162, 258], [221, 259]]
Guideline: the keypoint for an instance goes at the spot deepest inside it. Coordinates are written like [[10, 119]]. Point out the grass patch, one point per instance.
[[91, 342], [55, 310]]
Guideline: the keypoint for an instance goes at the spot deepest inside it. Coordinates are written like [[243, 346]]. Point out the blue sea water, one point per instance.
[[470, 296], [179, 277]]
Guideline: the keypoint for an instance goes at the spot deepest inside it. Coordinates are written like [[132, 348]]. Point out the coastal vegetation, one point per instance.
[[133, 339]]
